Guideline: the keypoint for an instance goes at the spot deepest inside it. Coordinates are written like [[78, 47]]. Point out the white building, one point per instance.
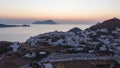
[[30, 55], [48, 65], [102, 48], [15, 46]]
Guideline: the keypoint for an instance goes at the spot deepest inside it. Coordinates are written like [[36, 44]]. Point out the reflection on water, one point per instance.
[[23, 33]]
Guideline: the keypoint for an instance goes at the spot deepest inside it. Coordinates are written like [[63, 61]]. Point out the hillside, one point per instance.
[[109, 24]]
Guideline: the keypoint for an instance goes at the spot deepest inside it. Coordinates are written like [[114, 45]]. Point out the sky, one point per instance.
[[62, 11]]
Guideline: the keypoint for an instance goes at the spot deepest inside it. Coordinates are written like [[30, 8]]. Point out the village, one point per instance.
[[99, 48]]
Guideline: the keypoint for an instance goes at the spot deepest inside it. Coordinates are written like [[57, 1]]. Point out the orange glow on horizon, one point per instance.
[[60, 9], [56, 16]]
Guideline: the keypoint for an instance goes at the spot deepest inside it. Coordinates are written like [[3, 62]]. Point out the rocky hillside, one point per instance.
[[109, 24]]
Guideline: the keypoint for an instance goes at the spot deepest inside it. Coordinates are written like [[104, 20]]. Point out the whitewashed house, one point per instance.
[[103, 48], [48, 65], [30, 55], [15, 46]]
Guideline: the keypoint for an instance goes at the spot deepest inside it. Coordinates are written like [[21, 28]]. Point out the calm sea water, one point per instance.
[[22, 33]]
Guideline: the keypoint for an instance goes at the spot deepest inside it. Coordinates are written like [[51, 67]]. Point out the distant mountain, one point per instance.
[[109, 24], [45, 22], [75, 30], [5, 25]]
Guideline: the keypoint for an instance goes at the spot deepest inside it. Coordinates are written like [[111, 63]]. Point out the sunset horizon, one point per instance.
[[59, 33], [63, 10]]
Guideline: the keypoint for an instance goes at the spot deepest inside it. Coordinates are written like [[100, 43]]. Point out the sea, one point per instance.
[[21, 34]]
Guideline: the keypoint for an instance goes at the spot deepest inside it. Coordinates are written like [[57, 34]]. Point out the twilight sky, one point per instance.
[[69, 11]]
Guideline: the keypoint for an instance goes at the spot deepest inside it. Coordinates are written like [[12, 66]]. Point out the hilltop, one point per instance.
[[75, 30], [109, 24], [45, 22]]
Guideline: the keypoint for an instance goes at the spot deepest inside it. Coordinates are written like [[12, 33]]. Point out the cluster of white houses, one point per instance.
[[90, 41], [100, 39]]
